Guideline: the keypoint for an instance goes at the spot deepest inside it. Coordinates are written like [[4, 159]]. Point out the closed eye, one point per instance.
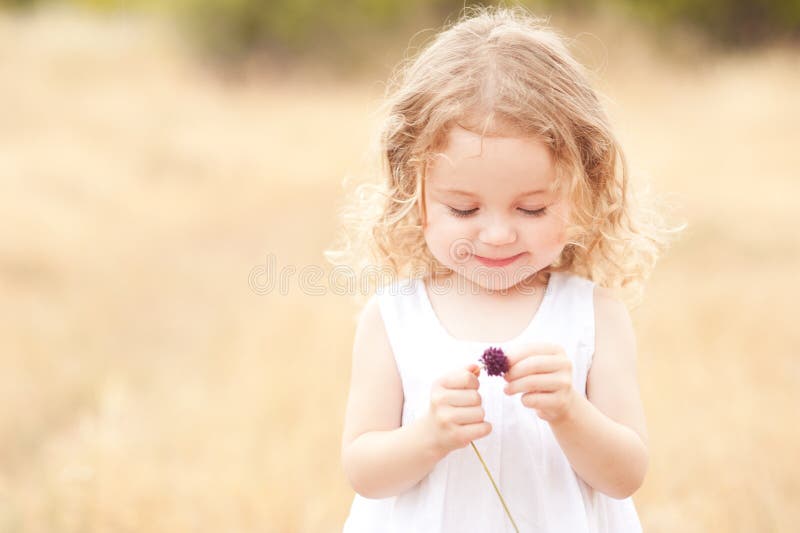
[[534, 212], [467, 212], [462, 213]]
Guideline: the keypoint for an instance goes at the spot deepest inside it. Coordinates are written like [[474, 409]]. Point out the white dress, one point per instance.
[[542, 491]]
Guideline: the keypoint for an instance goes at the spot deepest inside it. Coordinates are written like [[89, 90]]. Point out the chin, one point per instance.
[[495, 279]]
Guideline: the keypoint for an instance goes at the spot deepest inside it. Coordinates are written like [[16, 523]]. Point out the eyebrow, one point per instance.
[[473, 195]]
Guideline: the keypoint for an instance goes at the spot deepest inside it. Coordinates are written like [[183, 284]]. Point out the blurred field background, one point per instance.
[[145, 172]]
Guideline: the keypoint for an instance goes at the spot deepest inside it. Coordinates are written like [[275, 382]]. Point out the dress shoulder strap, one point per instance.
[[402, 313], [571, 322]]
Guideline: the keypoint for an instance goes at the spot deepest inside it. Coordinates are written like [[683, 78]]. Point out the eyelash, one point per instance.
[[469, 212]]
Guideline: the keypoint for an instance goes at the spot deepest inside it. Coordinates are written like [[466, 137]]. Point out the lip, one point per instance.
[[498, 262]]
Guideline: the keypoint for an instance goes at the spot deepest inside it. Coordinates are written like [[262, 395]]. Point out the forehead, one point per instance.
[[474, 163]]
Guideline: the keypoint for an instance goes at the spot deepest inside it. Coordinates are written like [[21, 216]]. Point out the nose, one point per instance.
[[498, 232]]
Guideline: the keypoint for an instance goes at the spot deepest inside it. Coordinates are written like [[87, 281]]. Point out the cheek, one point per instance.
[[443, 224], [551, 235], [559, 223], [560, 232], [445, 235], [435, 230]]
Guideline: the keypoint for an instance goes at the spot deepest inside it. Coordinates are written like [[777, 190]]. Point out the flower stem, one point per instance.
[[486, 468]]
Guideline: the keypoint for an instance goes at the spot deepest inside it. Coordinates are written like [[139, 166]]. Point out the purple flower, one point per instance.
[[494, 361]]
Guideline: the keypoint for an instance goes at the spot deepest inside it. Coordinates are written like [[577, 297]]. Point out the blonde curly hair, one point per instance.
[[502, 71]]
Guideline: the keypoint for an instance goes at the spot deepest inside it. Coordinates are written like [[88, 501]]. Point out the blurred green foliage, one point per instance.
[[346, 30], [290, 28], [726, 22]]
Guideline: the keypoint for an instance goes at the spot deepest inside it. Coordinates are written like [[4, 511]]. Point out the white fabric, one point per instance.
[[542, 491]]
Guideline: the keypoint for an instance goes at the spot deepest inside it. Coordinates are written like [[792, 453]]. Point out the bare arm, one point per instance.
[[380, 458], [604, 437]]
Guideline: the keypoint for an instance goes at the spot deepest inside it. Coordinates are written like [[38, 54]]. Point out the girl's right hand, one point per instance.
[[456, 417]]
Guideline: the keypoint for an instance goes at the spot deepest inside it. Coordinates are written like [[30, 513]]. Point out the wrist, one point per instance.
[[425, 435], [570, 412]]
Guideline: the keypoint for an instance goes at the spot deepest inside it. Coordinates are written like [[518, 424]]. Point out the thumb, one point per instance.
[[474, 369]]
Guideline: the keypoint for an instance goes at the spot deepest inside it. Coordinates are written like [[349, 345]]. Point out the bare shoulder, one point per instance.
[[613, 318], [371, 335], [370, 322], [375, 399], [612, 384]]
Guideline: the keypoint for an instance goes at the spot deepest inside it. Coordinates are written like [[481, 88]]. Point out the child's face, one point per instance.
[[498, 220]]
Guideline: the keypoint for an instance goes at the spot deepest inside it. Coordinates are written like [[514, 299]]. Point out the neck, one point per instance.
[[526, 287]]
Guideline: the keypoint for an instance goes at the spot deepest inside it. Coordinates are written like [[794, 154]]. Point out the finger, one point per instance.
[[517, 353], [462, 397], [540, 401], [466, 415], [460, 379], [477, 431], [533, 400], [535, 383], [537, 364]]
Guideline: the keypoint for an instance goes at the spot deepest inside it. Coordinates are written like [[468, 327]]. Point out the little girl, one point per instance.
[[507, 217]]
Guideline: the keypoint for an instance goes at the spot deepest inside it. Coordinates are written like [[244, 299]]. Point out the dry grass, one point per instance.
[[145, 387]]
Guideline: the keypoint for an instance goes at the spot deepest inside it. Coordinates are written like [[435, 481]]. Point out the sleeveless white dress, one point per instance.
[[542, 491]]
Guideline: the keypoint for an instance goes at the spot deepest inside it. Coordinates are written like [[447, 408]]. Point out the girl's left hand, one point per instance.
[[543, 373]]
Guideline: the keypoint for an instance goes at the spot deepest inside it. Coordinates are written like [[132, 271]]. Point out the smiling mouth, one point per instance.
[[502, 261]]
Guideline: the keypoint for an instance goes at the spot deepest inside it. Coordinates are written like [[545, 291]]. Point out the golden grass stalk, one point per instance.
[[497, 490]]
